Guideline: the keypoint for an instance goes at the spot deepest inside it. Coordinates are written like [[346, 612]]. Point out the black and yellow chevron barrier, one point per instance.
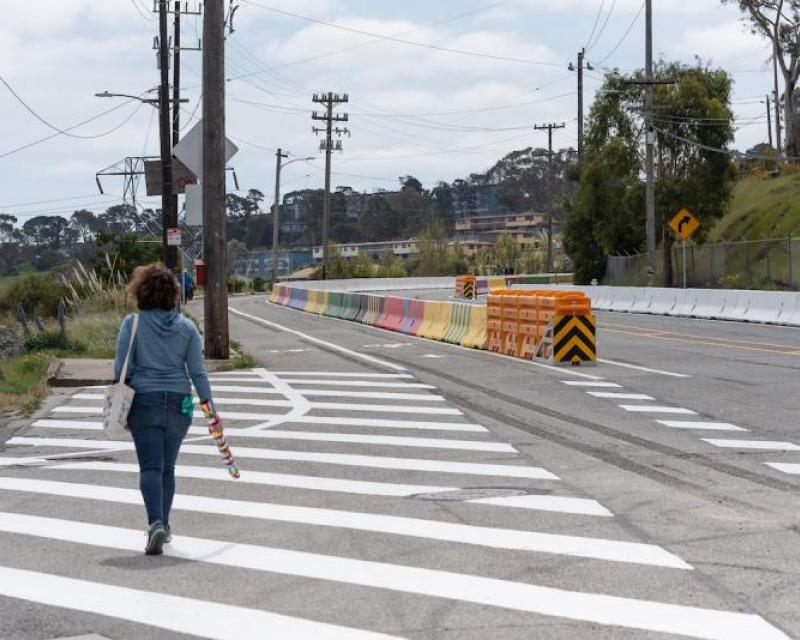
[[574, 339], [471, 289]]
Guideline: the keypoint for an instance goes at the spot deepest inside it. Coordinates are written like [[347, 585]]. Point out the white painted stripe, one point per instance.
[[329, 345], [556, 504], [337, 383], [333, 393], [202, 618], [763, 445], [278, 434], [648, 408], [345, 459], [490, 537], [396, 441], [68, 424], [313, 483], [388, 424], [328, 420], [785, 467], [620, 396], [342, 374], [711, 426], [626, 365], [585, 383], [334, 406], [694, 622], [384, 408]]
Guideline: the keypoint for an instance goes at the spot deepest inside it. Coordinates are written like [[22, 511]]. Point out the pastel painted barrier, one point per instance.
[[468, 325]]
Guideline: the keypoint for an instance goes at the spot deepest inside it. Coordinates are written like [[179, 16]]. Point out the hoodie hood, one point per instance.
[[164, 323]]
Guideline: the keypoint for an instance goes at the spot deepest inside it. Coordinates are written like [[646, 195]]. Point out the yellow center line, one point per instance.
[[699, 337], [703, 341]]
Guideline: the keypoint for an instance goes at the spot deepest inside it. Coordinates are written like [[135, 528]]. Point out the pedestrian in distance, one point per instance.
[[166, 354]]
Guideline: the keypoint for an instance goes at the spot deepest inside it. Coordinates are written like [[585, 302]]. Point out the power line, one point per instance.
[[603, 28], [99, 135], [33, 112], [366, 44], [596, 22], [624, 35], [728, 152], [401, 41]]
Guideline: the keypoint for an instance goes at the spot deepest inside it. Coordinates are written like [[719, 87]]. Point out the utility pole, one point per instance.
[[329, 100], [176, 107], [550, 185], [169, 212], [580, 102], [650, 186], [215, 248], [276, 213], [769, 122], [776, 102]]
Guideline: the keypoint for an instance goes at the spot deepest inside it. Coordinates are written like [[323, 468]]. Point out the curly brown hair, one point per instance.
[[153, 286]]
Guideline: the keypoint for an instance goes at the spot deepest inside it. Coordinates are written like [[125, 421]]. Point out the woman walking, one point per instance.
[[165, 355]]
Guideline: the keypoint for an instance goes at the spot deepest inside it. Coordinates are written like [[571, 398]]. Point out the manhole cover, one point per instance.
[[462, 495]]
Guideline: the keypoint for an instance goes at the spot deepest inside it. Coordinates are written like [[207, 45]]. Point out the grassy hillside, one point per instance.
[[761, 208]]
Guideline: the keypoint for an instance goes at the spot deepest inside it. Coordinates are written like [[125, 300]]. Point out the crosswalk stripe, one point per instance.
[[490, 537], [763, 445], [558, 504], [334, 383], [711, 426], [620, 396], [328, 420], [785, 467], [345, 459], [591, 383], [352, 438], [202, 618], [341, 374], [333, 406], [333, 393], [631, 613], [648, 408]]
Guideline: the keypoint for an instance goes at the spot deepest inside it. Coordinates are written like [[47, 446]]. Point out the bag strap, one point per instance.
[[124, 371]]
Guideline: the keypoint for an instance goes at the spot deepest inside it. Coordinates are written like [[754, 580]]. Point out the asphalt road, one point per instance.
[[586, 517]]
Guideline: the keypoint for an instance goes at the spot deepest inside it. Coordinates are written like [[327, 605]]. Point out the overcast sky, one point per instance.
[[413, 110]]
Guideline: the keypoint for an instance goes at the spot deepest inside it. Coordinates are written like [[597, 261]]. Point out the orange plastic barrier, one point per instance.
[[522, 323]]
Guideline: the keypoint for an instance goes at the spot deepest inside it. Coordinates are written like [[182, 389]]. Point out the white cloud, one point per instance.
[[723, 42]]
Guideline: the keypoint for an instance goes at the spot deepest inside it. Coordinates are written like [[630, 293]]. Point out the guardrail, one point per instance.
[[741, 305]]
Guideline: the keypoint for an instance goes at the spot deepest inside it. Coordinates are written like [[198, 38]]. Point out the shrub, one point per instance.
[[235, 285], [54, 341], [39, 294], [259, 284]]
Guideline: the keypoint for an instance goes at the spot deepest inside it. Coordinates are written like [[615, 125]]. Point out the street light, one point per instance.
[[276, 211], [151, 101]]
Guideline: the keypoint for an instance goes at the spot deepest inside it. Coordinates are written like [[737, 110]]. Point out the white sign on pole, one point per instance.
[[173, 237], [194, 205], [190, 150]]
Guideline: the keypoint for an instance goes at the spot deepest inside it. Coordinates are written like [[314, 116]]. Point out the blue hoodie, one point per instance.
[[166, 353]]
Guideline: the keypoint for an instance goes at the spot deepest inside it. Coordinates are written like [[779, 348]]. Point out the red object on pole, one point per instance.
[[200, 273]]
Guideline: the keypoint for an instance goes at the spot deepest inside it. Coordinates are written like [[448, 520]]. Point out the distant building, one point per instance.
[[375, 250], [526, 228]]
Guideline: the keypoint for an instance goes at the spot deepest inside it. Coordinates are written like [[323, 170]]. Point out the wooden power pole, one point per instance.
[[550, 186], [215, 246], [169, 213], [279, 155], [329, 100]]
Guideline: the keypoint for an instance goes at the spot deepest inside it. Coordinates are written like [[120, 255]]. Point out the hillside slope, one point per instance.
[[761, 208]]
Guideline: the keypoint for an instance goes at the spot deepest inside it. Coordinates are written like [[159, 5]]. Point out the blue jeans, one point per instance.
[[158, 428]]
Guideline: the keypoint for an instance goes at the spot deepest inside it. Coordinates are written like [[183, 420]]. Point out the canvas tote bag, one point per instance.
[[119, 397]]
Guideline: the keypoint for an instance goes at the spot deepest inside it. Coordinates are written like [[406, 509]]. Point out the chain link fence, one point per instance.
[[753, 264]]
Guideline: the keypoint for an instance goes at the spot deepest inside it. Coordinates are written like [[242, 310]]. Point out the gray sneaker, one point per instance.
[[156, 537]]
